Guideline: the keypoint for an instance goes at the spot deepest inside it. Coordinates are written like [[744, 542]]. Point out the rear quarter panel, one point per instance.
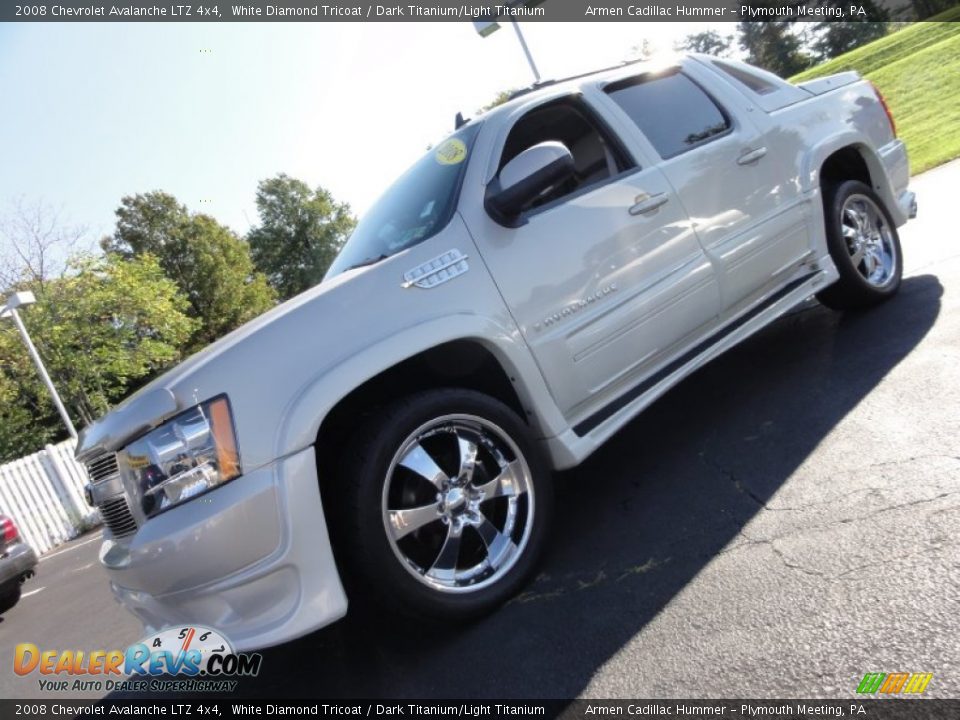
[[849, 116]]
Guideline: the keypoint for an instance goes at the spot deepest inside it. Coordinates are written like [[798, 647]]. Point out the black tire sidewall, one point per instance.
[[9, 596], [851, 281], [365, 472]]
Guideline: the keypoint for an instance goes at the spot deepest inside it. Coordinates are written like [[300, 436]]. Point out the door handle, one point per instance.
[[751, 156], [648, 203]]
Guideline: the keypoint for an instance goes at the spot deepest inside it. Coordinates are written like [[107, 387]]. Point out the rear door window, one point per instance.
[[672, 111]]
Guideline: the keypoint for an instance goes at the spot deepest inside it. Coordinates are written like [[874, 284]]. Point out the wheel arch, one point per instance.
[[847, 163], [463, 363], [849, 156], [457, 351]]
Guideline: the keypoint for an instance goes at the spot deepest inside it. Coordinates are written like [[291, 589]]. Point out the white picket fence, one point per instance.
[[43, 494]]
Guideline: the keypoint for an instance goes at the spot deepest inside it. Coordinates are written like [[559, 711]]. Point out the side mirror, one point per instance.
[[528, 175]]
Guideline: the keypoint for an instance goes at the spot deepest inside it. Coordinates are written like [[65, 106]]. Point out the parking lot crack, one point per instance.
[[899, 506], [781, 556], [795, 566], [739, 486], [885, 562], [903, 461]]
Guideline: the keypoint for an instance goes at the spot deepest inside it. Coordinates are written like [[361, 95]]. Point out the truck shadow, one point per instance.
[[635, 523]]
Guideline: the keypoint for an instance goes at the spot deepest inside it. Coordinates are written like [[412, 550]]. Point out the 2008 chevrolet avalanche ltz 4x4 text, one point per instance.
[[524, 290]]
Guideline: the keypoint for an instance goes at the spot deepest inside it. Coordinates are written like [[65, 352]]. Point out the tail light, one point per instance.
[[886, 108], [10, 532]]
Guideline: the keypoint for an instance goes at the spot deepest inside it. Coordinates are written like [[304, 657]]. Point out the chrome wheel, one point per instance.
[[869, 240], [458, 503]]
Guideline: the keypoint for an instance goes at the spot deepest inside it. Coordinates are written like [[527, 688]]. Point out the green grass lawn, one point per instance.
[[918, 71]]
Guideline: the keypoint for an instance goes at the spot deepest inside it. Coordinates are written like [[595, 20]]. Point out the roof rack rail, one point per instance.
[[547, 83]]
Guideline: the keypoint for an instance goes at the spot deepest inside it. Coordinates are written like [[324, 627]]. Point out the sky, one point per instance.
[[91, 112]]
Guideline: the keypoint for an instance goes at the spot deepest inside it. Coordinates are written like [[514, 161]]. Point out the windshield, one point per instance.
[[415, 207]]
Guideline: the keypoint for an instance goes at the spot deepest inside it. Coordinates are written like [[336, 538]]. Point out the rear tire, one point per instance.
[[9, 596], [443, 505], [865, 247]]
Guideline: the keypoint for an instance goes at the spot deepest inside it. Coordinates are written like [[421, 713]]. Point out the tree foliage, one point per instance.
[[923, 9], [773, 46], [34, 243], [26, 424], [300, 233], [499, 99], [102, 328], [836, 38], [210, 265], [709, 42]]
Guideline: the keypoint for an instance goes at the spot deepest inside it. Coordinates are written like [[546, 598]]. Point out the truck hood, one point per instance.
[[169, 394], [269, 367]]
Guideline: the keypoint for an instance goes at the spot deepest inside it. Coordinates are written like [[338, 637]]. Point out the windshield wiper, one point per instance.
[[368, 261]]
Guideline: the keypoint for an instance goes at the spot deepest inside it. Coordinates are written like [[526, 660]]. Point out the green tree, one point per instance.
[[709, 42], [104, 327], [773, 46], [836, 38], [499, 99], [207, 261], [26, 423], [300, 233], [923, 9]]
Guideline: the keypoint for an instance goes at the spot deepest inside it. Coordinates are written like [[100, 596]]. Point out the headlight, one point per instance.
[[188, 455]]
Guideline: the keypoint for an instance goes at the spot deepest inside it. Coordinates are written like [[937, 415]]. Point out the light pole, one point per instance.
[[489, 25], [526, 51], [17, 300]]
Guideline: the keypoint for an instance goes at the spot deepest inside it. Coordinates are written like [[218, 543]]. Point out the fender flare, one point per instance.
[[828, 146], [305, 414]]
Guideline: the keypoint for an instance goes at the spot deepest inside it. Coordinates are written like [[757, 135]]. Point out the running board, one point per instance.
[[585, 426]]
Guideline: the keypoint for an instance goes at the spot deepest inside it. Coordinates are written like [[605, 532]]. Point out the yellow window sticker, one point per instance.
[[451, 152]]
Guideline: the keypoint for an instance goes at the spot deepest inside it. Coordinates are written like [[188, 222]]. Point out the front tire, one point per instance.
[[864, 245], [446, 502]]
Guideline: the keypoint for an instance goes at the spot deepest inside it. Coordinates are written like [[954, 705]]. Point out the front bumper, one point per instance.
[[17, 561], [908, 203], [251, 559]]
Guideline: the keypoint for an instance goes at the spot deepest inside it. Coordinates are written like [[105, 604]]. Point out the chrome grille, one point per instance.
[[107, 489], [102, 468], [116, 516]]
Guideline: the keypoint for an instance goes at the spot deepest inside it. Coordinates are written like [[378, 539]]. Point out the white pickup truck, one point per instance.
[[521, 293]]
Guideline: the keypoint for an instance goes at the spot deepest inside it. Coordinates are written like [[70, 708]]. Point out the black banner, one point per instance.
[[856, 708], [451, 10]]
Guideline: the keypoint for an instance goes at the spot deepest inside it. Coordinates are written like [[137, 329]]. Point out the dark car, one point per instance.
[[17, 563]]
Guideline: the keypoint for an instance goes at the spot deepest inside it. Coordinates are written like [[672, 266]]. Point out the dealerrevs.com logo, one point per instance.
[[182, 659], [894, 683]]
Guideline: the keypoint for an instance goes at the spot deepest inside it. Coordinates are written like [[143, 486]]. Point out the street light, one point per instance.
[[21, 299], [489, 25]]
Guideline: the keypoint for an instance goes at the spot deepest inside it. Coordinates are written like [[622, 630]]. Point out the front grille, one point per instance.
[[116, 516], [102, 468], [104, 474]]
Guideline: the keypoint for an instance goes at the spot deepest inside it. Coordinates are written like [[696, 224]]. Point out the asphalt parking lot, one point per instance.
[[780, 524]]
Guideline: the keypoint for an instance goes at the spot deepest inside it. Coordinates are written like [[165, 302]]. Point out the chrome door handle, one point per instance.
[[751, 156], [648, 203]]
